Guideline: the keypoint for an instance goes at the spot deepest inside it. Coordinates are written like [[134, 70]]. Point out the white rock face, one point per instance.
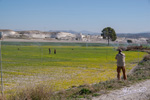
[[35, 34], [38, 35], [63, 36], [8, 33]]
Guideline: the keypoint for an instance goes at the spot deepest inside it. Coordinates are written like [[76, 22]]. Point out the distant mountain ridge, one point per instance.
[[68, 31], [135, 35]]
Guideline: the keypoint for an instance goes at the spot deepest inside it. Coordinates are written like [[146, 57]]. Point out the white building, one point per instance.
[[79, 37]]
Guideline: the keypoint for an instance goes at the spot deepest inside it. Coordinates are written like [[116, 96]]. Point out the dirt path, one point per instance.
[[139, 91]]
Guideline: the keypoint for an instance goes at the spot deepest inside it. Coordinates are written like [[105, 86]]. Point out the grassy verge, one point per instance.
[[140, 73]]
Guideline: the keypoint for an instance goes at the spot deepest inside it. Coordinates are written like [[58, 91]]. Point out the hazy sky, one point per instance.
[[125, 16]]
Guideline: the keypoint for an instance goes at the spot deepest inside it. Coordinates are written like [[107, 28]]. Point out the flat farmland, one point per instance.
[[71, 65]]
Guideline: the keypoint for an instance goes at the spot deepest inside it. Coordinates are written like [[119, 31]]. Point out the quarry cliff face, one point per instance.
[[60, 35], [35, 34], [8, 33]]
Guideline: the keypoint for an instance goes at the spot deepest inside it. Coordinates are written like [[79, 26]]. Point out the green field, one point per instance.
[[26, 65]]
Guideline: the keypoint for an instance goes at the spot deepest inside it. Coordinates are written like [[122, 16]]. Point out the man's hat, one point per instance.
[[120, 50]]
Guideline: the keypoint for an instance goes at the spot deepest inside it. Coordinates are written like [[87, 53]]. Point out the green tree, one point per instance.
[[109, 34]]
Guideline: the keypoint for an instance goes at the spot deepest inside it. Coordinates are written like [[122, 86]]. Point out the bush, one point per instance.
[[146, 58], [33, 93], [84, 91], [122, 48], [129, 41], [134, 48]]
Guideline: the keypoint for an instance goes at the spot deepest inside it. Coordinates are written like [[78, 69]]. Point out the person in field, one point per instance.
[[120, 57]]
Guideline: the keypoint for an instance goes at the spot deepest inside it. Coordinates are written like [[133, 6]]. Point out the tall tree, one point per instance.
[[109, 34]]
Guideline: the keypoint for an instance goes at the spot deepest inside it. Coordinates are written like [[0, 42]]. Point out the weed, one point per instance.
[[95, 94], [84, 91]]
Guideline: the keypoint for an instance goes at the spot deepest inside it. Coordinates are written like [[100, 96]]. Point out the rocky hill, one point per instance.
[[57, 35], [68, 36]]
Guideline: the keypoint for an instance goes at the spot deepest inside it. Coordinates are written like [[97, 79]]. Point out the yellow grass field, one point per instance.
[[25, 66]]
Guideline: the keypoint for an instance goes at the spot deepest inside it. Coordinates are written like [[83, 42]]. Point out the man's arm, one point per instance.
[[116, 57]]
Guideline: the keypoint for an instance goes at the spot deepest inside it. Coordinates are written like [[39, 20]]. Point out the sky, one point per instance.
[[124, 16]]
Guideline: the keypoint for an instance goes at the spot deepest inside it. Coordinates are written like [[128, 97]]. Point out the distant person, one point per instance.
[[49, 50], [54, 51], [120, 57]]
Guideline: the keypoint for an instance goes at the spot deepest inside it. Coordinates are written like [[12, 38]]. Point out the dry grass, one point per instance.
[[39, 92]]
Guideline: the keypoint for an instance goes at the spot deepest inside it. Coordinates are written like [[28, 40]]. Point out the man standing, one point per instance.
[[120, 57]]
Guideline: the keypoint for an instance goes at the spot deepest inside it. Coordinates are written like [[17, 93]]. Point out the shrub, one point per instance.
[[84, 91], [146, 58], [129, 41], [122, 48], [33, 93]]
